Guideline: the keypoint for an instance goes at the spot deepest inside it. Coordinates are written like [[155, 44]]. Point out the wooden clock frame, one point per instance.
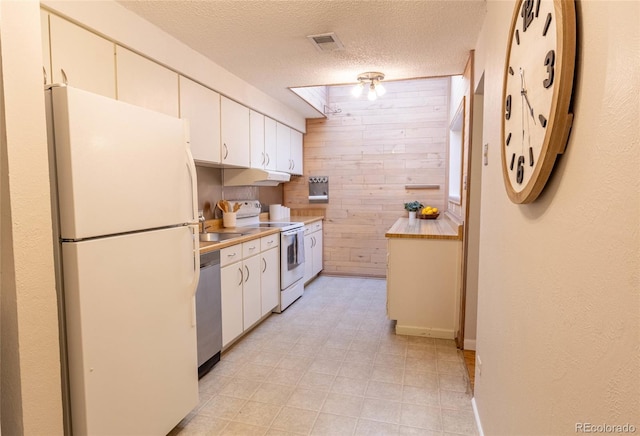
[[560, 120]]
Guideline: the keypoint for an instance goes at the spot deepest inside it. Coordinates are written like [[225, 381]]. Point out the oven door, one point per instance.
[[292, 257]]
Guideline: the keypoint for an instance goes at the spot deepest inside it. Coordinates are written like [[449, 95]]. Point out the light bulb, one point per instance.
[[372, 92], [357, 90], [380, 89]]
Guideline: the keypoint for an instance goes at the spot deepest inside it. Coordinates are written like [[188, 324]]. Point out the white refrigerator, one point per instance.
[[124, 188]]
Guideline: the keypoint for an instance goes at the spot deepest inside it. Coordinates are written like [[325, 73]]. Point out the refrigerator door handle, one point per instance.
[[191, 168]]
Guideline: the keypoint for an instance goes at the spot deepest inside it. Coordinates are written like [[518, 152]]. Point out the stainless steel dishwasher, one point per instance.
[[208, 312]]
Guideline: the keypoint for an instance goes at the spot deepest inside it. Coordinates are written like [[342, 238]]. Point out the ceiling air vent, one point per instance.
[[326, 42]]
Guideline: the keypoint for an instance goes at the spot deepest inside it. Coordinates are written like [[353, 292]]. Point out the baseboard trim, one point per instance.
[[470, 344], [477, 416], [424, 332]]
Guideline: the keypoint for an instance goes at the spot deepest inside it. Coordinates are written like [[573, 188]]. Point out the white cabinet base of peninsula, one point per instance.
[[422, 286]]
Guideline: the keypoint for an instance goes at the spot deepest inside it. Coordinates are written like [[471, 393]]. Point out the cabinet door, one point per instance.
[[270, 144], [231, 279], [296, 152], [317, 252], [256, 131], [201, 106], [234, 127], [252, 307], [283, 137], [270, 280], [85, 59], [145, 83], [308, 258]]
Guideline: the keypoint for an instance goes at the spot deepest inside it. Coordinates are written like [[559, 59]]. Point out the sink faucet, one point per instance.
[[201, 220]]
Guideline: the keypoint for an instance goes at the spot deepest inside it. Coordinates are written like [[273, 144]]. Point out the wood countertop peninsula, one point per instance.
[[440, 228]]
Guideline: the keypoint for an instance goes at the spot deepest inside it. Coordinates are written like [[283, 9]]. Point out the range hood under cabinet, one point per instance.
[[253, 177]]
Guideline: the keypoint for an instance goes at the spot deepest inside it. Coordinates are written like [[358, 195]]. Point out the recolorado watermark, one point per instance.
[[587, 427]]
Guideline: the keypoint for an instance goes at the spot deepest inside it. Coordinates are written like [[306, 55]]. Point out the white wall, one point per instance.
[[31, 401], [559, 299], [473, 224]]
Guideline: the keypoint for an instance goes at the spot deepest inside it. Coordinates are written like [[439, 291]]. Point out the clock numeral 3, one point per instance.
[[507, 107], [549, 62]]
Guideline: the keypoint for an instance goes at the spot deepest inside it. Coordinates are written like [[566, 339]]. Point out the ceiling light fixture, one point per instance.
[[372, 81]]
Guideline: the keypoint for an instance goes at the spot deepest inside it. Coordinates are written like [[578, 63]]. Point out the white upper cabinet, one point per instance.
[[235, 135], [283, 137], [258, 157], [80, 58], [201, 106], [296, 153], [145, 83], [289, 149], [270, 144]]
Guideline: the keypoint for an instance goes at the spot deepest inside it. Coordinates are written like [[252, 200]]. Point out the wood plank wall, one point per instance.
[[370, 151]]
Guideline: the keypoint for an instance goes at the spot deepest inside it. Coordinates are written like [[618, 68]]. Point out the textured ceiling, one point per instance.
[[264, 42]]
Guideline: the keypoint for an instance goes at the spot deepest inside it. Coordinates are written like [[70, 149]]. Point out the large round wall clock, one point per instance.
[[537, 87]]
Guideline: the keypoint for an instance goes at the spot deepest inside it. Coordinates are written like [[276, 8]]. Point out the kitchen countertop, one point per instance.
[[305, 219], [206, 247], [440, 228]]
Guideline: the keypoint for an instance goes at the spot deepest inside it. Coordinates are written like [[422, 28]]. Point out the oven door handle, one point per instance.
[[298, 242]]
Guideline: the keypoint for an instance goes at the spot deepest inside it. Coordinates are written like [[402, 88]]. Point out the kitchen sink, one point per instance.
[[218, 237]]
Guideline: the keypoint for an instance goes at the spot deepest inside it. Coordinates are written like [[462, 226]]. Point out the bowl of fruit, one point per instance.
[[428, 213]]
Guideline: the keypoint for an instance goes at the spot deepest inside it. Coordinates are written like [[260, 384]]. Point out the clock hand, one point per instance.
[[529, 104], [523, 92]]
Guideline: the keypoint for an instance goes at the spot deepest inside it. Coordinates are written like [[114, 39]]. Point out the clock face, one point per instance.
[[535, 81]]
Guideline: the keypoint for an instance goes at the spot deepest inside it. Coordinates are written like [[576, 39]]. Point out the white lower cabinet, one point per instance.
[[312, 250], [251, 305], [232, 279], [250, 283], [270, 280]]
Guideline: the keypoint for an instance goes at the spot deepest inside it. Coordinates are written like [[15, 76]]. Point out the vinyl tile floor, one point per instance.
[[332, 365]]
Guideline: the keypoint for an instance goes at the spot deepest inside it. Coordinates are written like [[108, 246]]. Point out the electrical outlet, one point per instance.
[[478, 365]]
